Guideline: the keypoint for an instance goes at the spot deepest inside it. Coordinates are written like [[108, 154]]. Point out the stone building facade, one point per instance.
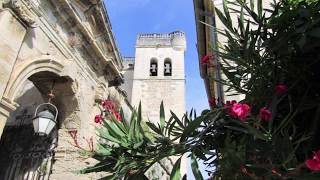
[[62, 45]]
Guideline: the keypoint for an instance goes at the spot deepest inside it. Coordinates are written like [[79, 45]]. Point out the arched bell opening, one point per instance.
[[153, 67], [167, 67]]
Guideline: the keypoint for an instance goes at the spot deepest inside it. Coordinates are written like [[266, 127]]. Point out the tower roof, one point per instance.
[[174, 39]]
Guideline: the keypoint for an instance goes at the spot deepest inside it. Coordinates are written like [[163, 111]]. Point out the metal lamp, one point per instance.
[[46, 119]]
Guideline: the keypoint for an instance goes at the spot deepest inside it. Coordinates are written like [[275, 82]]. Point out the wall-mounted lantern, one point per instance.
[[45, 119]]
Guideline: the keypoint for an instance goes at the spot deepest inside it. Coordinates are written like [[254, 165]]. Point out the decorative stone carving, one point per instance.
[[99, 94], [23, 10]]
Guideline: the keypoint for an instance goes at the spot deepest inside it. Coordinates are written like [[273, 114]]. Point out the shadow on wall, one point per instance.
[[23, 154]]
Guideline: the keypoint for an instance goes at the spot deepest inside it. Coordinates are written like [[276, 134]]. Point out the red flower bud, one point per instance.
[[207, 59], [212, 102], [281, 88], [117, 115], [265, 114], [314, 162], [98, 119], [108, 105]]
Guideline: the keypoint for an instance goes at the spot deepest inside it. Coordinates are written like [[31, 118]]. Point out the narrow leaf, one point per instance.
[[175, 173], [195, 168], [154, 128], [260, 9], [177, 119], [162, 117]]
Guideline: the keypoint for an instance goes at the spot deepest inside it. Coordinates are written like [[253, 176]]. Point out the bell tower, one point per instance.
[[159, 74]]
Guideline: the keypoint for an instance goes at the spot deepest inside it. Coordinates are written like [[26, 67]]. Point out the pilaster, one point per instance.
[[6, 108], [11, 37]]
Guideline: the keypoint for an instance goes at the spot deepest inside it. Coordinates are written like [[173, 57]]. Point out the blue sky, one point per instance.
[[130, 17]]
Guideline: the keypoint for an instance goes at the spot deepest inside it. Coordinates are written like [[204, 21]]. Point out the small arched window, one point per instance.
[[153, 67], [167, 67]]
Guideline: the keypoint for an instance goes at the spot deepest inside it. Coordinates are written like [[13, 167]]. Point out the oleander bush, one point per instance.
[[272, 57]]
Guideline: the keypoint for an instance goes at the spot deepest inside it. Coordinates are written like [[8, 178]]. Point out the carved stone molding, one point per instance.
[[23, 11], [6, 107], [99, 93]]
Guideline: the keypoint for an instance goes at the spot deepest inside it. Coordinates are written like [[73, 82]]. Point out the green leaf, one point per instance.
[[224, 20], [171, 127], [227, 13], [109, 177], [193, 125], [103, 151], [104, 133], [195, 168], [252, 4], [168, 124], [113, 129], [139, 176], [162, 117], [177, 119], [175, 173], [260, 9], [132, 127], [137, 145], [102, 166], [154, 128], [315, 32], [139, 118], [124, 122], [119, 124], [138, 131], [251, 130]]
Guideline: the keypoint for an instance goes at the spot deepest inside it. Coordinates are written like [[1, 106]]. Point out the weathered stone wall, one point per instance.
[[12, 34], [128, 72], [46, 41]]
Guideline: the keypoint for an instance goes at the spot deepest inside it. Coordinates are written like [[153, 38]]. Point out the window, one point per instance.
[[167, 67], [153, 67]]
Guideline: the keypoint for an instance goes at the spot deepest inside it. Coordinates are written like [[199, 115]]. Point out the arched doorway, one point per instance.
[[23, 154]]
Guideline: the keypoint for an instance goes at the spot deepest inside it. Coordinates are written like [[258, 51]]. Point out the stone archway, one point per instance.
[[26, 155], [28, 68]]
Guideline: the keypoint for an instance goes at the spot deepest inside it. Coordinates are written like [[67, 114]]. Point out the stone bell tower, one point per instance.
[[159, 74]]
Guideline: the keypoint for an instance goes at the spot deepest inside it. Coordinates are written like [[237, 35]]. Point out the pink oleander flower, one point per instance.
[[228, 106], [207, 59], [265, 114], [240, 111], [98, 119], [108, 105], [314, 163], [212, 102], [117, 115], [281, 88]]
